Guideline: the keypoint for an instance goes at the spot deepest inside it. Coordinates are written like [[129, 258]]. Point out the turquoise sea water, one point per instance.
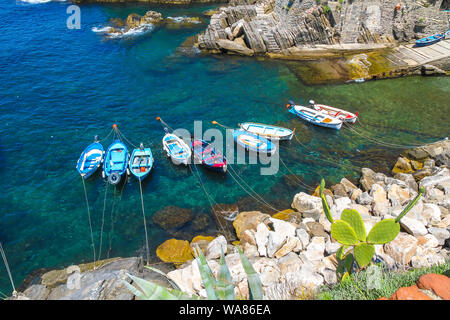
[[60, 87]]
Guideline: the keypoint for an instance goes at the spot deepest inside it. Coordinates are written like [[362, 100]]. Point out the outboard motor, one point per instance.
[[96, 138], [166, 130], [141, 146], [114, 178], [311, 103]]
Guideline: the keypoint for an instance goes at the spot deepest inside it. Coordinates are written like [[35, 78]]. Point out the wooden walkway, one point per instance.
[[407, 55]]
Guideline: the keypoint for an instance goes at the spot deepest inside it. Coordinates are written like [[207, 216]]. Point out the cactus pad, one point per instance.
[[363, 253], [353, 218], [343, 233], [383, 232]]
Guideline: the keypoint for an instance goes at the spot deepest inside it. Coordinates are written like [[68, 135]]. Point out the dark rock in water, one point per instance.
[[172, 217], [200, 222], [134, 20], [224, 215], [117, 23], [292, 181], [182, 22], [250, 204]]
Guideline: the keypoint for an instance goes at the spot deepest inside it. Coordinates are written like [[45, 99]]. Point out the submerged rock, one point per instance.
[[175, 251], [182, 22], [172, 217]]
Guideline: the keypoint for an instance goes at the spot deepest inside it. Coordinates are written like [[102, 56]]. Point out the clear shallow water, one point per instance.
[[61, 87]]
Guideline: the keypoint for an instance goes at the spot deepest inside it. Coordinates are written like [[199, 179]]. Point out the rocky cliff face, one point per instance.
[[274, 26]]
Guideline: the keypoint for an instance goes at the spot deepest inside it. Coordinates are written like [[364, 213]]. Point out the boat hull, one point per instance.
[[268, 131], [340, 114], [206, 154], [141, 163], [252, 142], [429, 40], [90, 160], [315, 117], [116, 162], [176, 149]]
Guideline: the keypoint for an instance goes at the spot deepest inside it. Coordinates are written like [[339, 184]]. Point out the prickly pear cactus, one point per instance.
[[350, 232]]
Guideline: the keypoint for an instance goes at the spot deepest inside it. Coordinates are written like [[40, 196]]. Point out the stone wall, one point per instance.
[[273, 26]]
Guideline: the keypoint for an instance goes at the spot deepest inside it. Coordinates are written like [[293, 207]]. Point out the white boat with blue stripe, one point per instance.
[[316, 117], [268, 131], [176, 149]]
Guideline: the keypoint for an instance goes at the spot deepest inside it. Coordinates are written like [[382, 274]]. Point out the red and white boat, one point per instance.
[[335, 112]]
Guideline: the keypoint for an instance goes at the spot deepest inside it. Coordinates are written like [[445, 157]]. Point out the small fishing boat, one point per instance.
[[252, 142], [205, 153], [315, 117], [429, 40], [176, 149], [342, 115], [90, 159], [141, 162], [116, 162], [268, 131]]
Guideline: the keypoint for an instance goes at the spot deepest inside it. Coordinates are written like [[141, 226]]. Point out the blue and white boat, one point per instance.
[[116, 162], [141, 162], [315, 117], [268, 131], [90, 159], [429, 40], [253, 142], [176, 149]]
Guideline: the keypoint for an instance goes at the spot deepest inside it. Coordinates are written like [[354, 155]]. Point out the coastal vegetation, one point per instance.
[[360, 284]]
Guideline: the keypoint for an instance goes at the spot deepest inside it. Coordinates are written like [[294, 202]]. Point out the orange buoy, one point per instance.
[[114, 126], [288, 105], [158, 118]]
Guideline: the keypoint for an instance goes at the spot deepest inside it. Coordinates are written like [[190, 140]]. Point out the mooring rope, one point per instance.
[[5, 261], [360, 126], [209, 198], [379, 142], [89, 218], [107, 136], [103, 223], [261, 200], [307, 186], [4, 295], [338, 164], [164, 123], [145, 223], [126, 139]]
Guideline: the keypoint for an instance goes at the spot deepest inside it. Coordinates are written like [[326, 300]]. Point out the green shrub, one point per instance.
[[216, 289], [359, 287], [349, 231]]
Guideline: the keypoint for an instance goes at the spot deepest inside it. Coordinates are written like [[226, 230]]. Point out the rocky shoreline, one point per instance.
[[291, 250], [309, 30], [284, 28]]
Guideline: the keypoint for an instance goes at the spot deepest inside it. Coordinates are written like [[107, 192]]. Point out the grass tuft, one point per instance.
[[364, 285]]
